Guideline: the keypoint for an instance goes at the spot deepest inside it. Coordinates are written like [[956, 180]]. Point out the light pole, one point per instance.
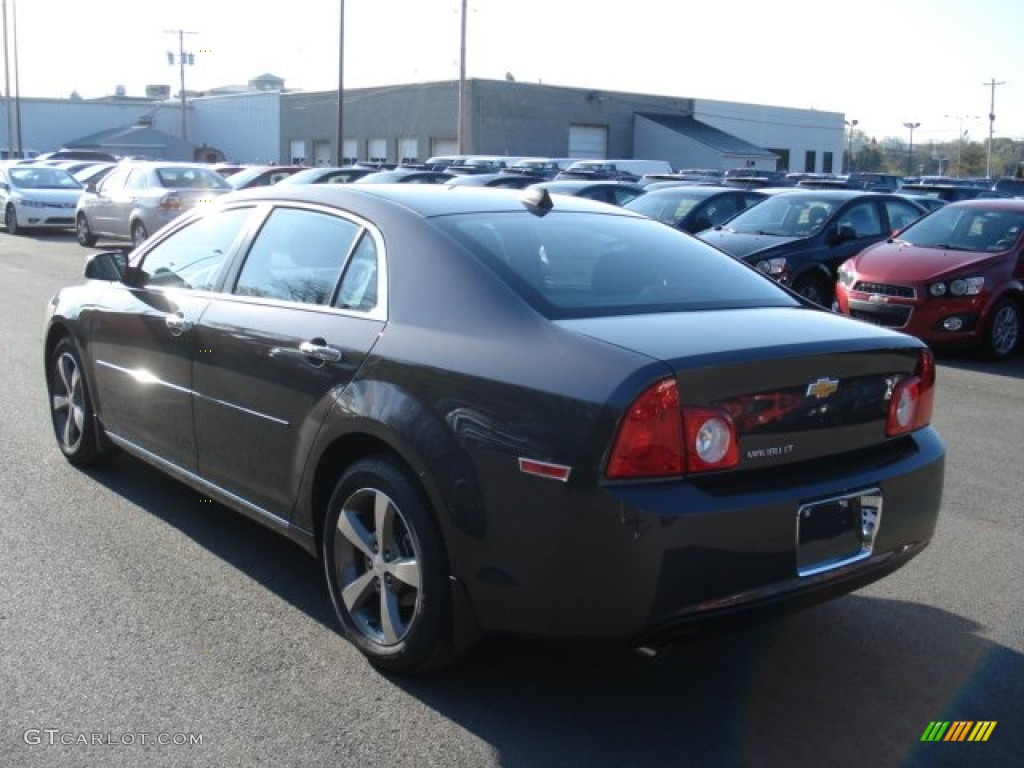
[[849, 147], [910, 150], [849, 151]]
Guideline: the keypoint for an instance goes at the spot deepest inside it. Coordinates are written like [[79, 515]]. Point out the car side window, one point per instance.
[[297, 256], [722, 209], [194, 256], [900, 214], [359, 283], [113, 182], [136, 180], [863, 218]]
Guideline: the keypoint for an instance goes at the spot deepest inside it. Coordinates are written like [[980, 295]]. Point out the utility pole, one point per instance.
[[183, 59], [340, 138], [7, 89], [462, 79], [991, 123]]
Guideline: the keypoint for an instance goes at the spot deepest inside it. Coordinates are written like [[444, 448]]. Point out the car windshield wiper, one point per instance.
[[948, 247]]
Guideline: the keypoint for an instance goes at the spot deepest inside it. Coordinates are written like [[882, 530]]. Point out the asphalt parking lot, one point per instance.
[[142, 625]]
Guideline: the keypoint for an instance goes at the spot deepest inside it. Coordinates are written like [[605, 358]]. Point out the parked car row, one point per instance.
[[799, 236]]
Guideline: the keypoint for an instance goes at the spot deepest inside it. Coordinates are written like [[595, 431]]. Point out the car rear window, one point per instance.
[[191, 178], [583, 264]]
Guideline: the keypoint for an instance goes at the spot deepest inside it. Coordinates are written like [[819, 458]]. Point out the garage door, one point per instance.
[[588, 141], [377, 150], [408, 150], [444, 147]]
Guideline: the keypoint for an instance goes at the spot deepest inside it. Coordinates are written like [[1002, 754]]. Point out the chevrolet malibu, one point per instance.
[[503, 411], [953, 278]]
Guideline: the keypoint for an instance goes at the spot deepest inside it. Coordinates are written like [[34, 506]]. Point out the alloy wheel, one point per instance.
[[68, 403], [378, 567], [1005, 330]]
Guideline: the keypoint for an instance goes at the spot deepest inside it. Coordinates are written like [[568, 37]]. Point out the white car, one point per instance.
[[38, 196]]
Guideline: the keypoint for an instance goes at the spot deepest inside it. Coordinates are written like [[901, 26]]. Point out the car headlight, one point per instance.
[[845, 275], [969, 286], [961, 286]]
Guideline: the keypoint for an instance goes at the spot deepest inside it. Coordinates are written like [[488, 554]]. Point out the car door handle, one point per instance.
[[318, 350], [177, 324]]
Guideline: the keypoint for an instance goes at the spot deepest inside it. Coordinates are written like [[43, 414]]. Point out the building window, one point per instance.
[[782, 161], [809, 159], [826, 162]]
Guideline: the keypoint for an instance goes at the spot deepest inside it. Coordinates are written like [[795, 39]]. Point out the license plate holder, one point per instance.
[[834, 532]]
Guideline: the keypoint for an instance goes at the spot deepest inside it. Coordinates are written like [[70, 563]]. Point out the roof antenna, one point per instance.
[[539, 199]]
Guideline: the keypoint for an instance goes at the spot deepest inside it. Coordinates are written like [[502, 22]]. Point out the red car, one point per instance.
[[954, 277]]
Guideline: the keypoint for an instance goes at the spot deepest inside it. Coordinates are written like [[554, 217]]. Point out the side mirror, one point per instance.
[[107, 265], [701, 223]]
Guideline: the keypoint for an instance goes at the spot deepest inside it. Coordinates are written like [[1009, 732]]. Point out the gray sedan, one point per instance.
[[138, 198]]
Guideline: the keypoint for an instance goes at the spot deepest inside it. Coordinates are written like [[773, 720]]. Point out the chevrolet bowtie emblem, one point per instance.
[[822, 388]]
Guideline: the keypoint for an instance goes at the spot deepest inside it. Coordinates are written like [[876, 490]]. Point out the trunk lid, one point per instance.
[[799, 384]]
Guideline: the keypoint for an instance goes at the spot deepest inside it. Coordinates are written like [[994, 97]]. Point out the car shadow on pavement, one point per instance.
[[853, 682], [267, 557]]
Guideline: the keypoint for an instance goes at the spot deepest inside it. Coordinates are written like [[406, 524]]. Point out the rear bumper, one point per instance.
[[777, 599], [640, 562]]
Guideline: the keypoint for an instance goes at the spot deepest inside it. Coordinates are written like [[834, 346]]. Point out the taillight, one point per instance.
[[171, 202], [660, 438], [710, 440], [913, 399], [650, 439]]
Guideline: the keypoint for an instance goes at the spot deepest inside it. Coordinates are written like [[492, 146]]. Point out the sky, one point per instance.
[[883, 63]]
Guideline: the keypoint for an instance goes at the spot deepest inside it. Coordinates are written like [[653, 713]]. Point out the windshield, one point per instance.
[[43, 178], [966, 229], [785, 215], [575, 264]]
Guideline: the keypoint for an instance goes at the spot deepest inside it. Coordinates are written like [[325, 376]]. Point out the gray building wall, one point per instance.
[[49, 124], [246, 127], [798, 131], [657, 142], [500, 117]]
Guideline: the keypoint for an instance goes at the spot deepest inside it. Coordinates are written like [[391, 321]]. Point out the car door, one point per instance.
[[275, 353], [101, 206], [143, 337], [863, 225]]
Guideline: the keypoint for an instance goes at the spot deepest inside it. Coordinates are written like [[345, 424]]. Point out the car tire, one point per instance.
[[814, 289], [11, 221], [1003, 331], [83, 233], [139, 233], [79, 434], [387, 568]]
